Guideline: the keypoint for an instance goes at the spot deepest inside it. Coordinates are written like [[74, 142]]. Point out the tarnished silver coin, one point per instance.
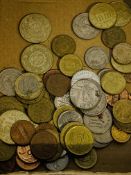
[[35, 28], [68, 116], [103, 71], [59, 164], [8, 77], [100, 145], [85, 94], [82, 27], [99, 124], [84, 74], [96, 58]]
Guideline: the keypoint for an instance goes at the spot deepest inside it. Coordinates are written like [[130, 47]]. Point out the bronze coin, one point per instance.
[[47, 74], [44, 145], [45, 126], [58, 84], [22, 132], [7, 166]]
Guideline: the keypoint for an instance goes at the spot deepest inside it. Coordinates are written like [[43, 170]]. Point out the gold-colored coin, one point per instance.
[[102, 15], [79, 140], [119, 135], [70, 64], [113, 82], [128, 87]]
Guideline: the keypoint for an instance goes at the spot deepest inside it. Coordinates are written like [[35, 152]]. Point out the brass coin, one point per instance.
[[63, 44], [47, 74]]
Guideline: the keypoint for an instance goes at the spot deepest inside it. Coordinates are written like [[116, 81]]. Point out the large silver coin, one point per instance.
[[68, 116], [96, 58], [99, 124], [82, 27], [84, 74], [85, 94]]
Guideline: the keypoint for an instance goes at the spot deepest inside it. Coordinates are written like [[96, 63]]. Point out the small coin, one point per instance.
[[35, 28], [70, 64], [82, 27], [123, 13], [28, 86], [50, 72], [96, 58], [7, 166], [103, 71], [84, 74], [85, 94], [122, 53], [59, 164], [128, 77], [87, 161], [102, 15], [119, 135], [113, 82], [100, 145], [99, 124], [37, 58], [67, 117], [113, 36], [63, 44], [58, 84], [22, 131], [8, 77]]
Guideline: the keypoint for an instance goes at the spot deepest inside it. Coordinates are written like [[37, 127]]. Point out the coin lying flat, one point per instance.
[[37, 58], [82, 27], [63, 44], [102, 15], [70, 64], [35, 28], [113, 36], [8, 77], [96, 58]]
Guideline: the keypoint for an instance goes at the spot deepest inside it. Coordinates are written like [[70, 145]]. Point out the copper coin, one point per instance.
[[58, 84], [45, 126], [22, 132], [47, 74], [44, 145]]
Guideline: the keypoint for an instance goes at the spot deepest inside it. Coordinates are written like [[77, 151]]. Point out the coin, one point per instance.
[[99, 124], [128, 77], [122, 53], [82, 27], [113, 82], [123, 13], [22, 131], [28, 86], [100, 145], [113, 36], [128, 2], [79, 140], [63, 44], [58, 84], [41, 111], [50, 72], [8, 77], [37, 58], [70, 64], [84, 74], [7, 119], [45, 126], [87, 161], [85, 94], [96, 58], [102, 15], [35, 28], [123, 126], [67, 117], [119, 135]]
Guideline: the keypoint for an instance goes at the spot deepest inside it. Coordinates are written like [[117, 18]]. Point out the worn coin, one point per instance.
[[63, 44], [102, 15], [96, 58], [35, 28], [100, 145], [103, 71], [50, 72], [82, 27], [8, 77], [37, 58]]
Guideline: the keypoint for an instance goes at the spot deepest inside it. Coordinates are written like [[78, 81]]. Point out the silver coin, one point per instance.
[[84, 74], [68, 116], [59, 164], [85, 94], [100, 145], [99, 108], [96, 58], [64, 152], [99, 124], [82, 27], [103, 71], [7, 81]]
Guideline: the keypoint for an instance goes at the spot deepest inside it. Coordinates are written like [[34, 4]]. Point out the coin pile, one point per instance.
[[54, 115]]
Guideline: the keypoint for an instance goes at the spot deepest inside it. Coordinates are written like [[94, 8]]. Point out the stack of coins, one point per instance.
[[50, 115]]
